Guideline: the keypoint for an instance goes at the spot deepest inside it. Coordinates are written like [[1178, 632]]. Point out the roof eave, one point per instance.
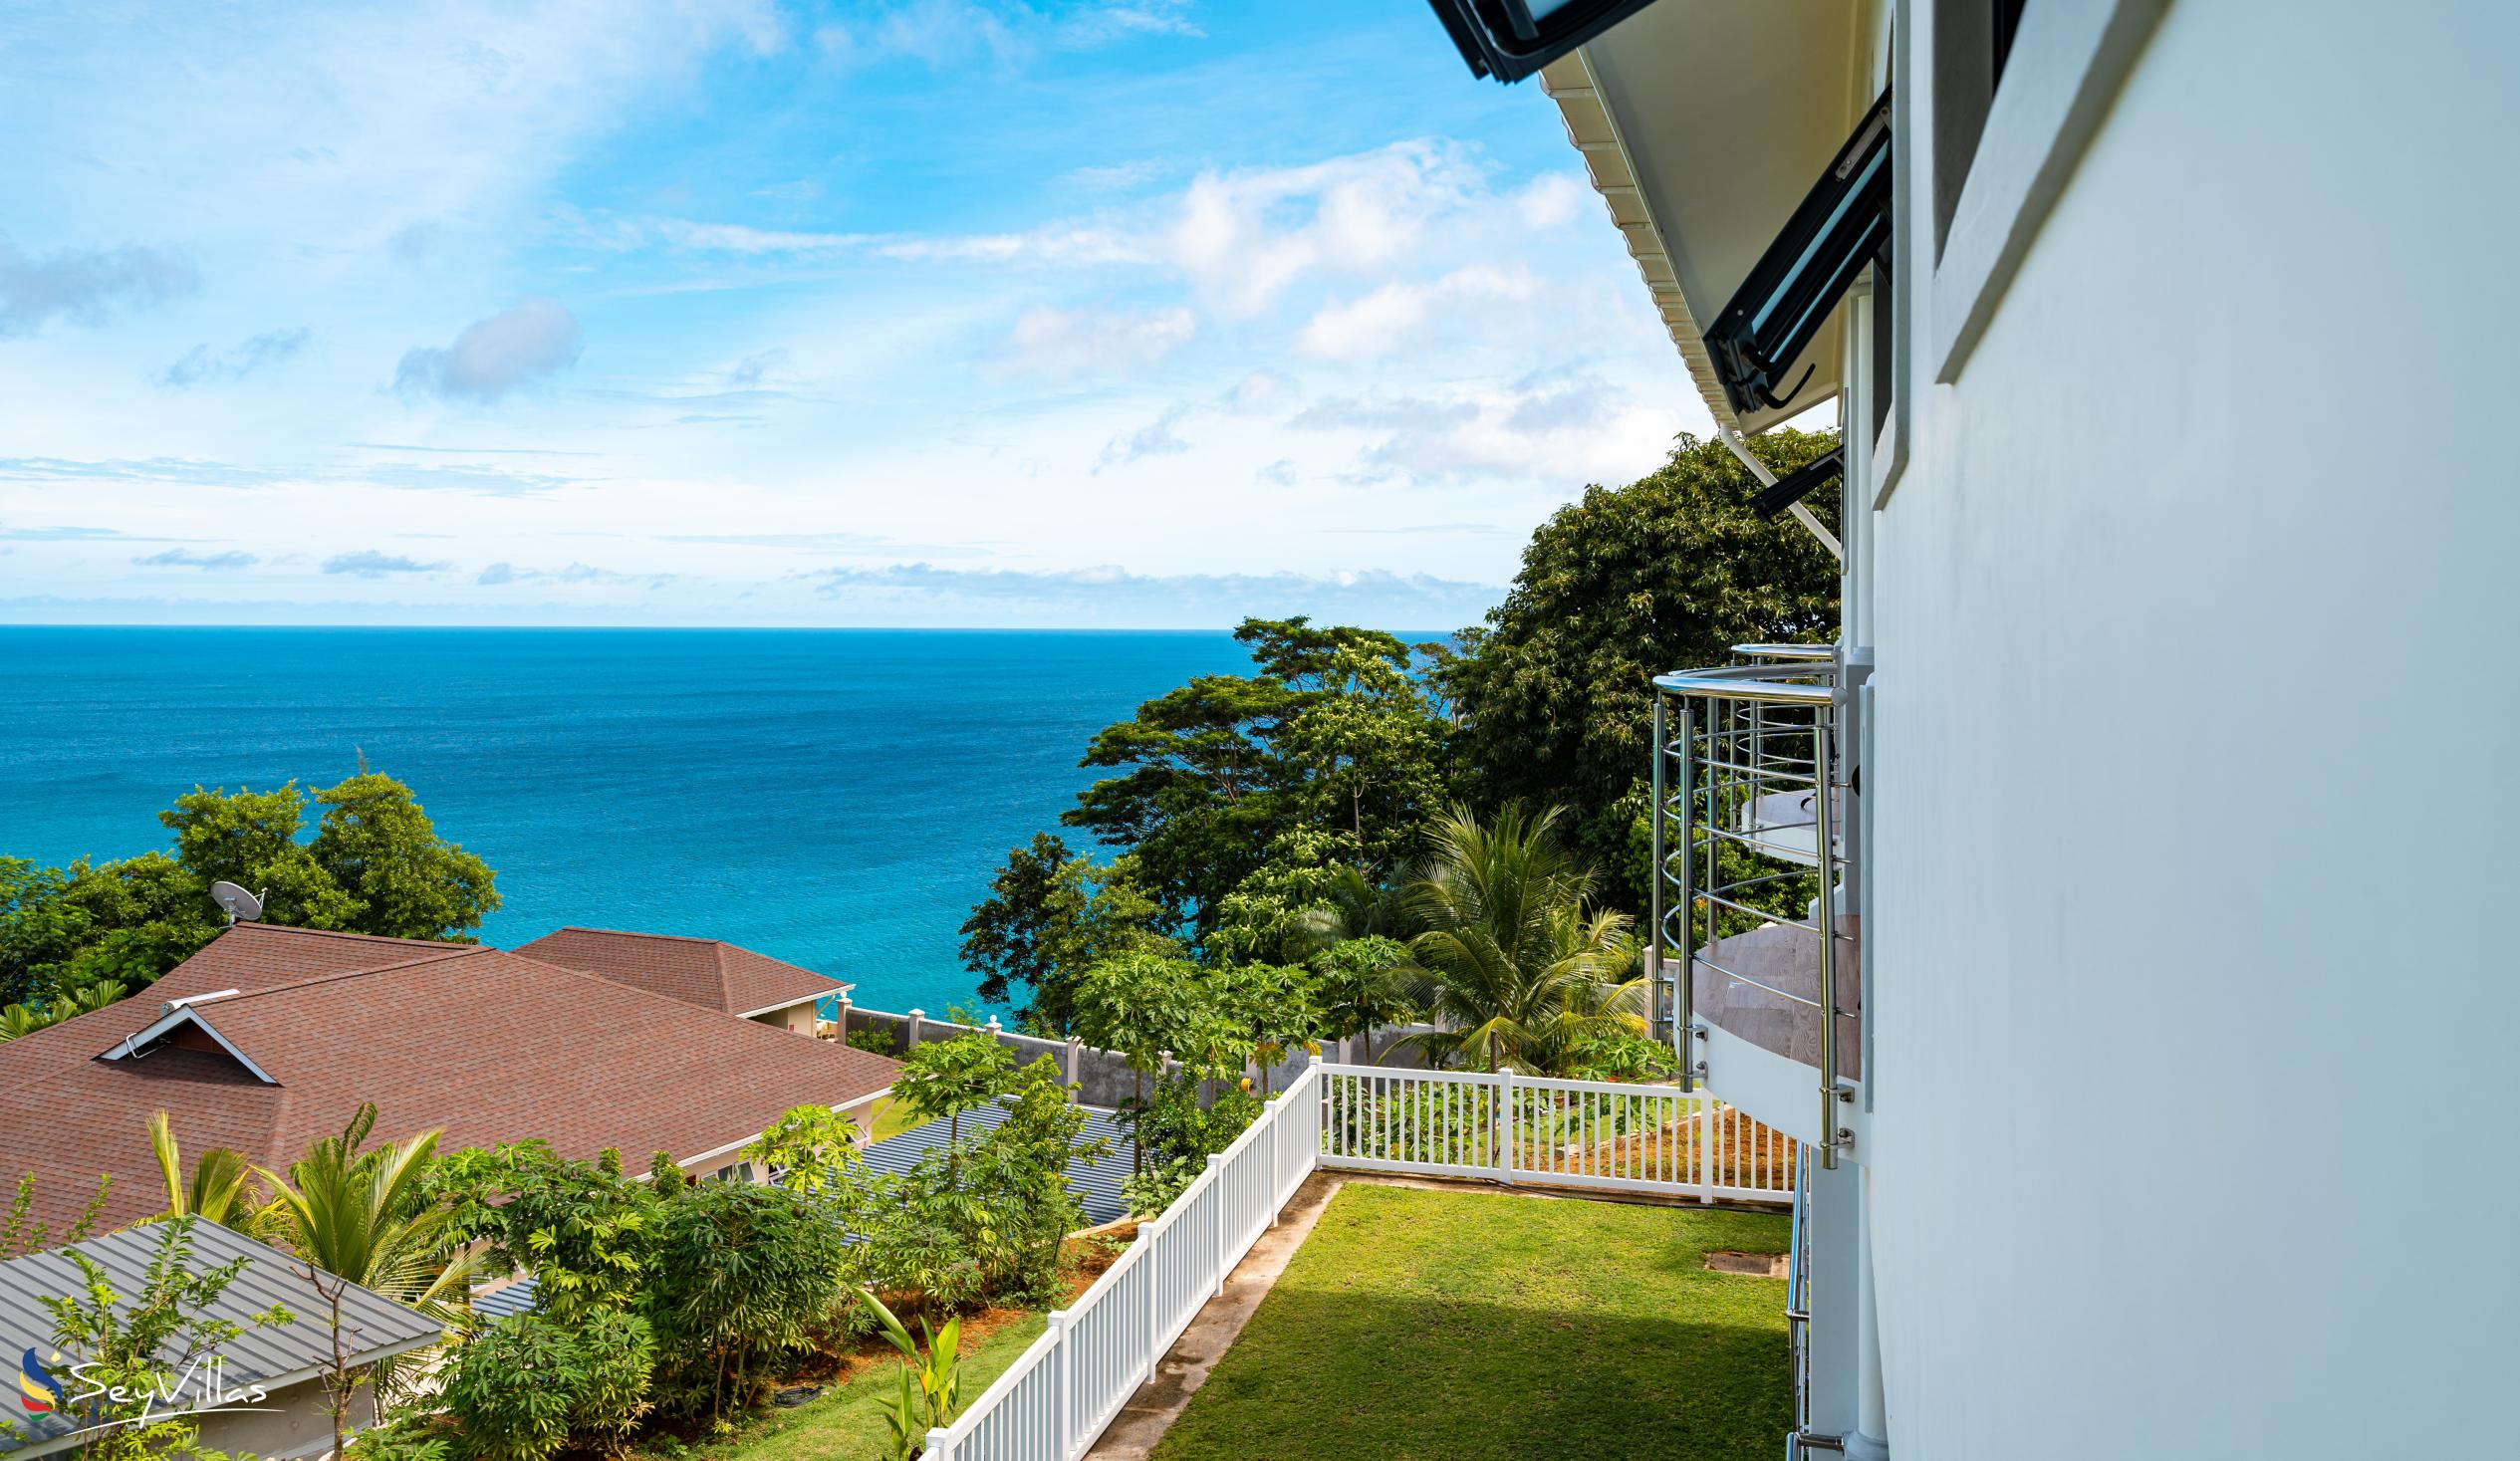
[[1571, 82]]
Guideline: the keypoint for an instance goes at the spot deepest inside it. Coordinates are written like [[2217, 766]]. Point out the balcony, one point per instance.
[[1751, 839]]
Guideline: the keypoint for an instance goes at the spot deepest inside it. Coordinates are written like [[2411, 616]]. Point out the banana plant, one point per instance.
[[930, 1395]]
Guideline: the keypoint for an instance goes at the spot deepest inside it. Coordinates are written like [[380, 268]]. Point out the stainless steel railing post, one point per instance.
[[1826, 909], [1684, 995]]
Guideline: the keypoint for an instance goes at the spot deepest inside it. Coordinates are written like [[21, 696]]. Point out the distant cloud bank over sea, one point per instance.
[[898, 596]]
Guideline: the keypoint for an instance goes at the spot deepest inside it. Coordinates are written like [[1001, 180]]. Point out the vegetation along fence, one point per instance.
[[1055, 1401]]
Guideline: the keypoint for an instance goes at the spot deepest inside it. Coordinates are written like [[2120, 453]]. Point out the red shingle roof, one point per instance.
[[489, 1045], [708, 972]]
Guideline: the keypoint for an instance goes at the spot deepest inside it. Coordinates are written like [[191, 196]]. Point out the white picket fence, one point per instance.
[[1053, 1402]]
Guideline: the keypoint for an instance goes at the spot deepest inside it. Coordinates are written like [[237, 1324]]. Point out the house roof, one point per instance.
[[708, 972], [374, 1325], [282, 1033]]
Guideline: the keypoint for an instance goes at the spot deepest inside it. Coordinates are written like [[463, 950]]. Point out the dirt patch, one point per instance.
[[1757, 1265]]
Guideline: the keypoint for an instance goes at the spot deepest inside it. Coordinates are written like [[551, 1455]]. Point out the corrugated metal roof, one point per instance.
[[268, 1357], [1096, 1183]]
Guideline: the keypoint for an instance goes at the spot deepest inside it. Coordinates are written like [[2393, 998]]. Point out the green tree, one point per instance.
[[370, 1218], [1366, 983], [1145, 1005], [585, 1228], [220, 1188], [381, 850], [809, 1149], [946, 1078], [1271, 1009], [1553, 693], [1051, 914], [39, 927], [1517, 966], [1330, 729], [376, 864]]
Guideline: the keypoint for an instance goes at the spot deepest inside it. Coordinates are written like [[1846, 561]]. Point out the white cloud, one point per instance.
[[1067, 344], [207, 561], [501, 575], [1261, 390], [1572, 427], [1400, 315], [1115, 595], [1242, 237], [496, 354], [202, 364], [86, 286], [1552, 200], [368, 563], [1155, 439]]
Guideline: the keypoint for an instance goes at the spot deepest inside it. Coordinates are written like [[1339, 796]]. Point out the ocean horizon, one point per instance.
[[834, 798]]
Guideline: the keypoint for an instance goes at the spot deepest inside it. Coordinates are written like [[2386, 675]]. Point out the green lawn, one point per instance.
[[844, 1422], [892, 1119], [1455, 1325]]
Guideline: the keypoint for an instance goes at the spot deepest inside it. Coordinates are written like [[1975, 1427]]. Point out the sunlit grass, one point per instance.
[[1432, 1325]]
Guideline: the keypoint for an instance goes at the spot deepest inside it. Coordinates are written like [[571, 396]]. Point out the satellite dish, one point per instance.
[[237, 901]]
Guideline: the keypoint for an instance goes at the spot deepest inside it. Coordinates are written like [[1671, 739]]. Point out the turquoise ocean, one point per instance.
[[838, 799]]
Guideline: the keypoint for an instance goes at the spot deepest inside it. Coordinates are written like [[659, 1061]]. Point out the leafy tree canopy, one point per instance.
[[1334, 728], [1050, 915], [1554, 692], [374, 865]]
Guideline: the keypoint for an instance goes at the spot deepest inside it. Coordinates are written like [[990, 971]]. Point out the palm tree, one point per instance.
[[1515, 964], [366, 1218], [69, 1004], [220, 1189]]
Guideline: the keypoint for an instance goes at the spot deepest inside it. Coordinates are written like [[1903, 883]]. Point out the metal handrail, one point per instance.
[[1809, 653], [1739, 727]]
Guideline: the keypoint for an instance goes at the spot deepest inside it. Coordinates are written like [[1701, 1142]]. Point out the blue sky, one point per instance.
[[945, 312]]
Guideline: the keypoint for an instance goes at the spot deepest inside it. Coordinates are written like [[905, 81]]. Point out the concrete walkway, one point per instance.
[[1184, 1368]]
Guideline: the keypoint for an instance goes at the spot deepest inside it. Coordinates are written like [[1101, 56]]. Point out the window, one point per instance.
[[1971, 41], [1842, 226], [2001, 156], [1511, 39]]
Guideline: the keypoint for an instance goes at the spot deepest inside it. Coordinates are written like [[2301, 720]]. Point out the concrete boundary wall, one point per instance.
[[1102, 1077]]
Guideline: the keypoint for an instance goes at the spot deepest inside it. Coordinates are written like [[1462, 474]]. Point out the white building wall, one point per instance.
[[2194, 797]]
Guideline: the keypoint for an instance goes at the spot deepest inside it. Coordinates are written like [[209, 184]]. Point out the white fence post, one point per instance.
[[1217, 1214], [1277, 1154], [1705, 1146], [939, 1446], [1063, 1388], [1509, 1117]]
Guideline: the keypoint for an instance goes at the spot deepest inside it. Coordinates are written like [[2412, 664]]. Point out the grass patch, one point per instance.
[[843, 1423], [892, 1119], [1416, 1324]]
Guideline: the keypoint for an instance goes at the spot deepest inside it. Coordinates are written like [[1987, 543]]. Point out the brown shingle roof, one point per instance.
[[486, 1044], [708, 972]]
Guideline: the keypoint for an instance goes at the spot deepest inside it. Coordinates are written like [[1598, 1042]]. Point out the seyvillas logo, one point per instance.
[[44, 1388], [38, 1391]]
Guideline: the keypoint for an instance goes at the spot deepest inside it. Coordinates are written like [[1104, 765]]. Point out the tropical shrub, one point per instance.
[[877, 1040], [808, 1149], [522, 1388], [1149, 1193], [739, 1274]]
